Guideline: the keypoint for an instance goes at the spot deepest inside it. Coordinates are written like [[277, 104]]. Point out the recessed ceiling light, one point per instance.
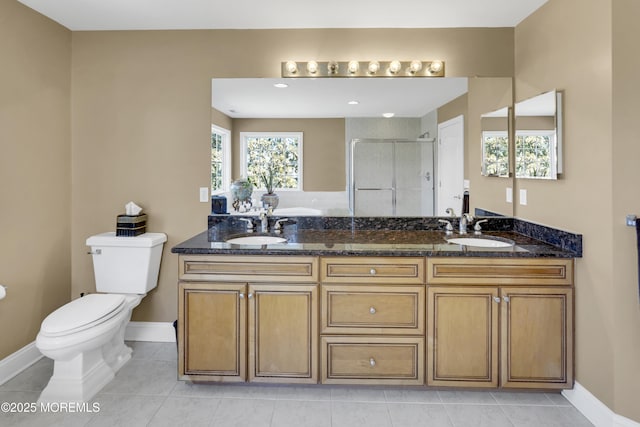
[[281, 85], [388, 115], [353, 102]]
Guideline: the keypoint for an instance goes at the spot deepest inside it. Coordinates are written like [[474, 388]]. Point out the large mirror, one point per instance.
[[346, 140], [538, 136]]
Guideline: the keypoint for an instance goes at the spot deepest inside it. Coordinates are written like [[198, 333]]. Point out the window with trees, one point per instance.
[[495, 153], [536, 154], [280, 154]]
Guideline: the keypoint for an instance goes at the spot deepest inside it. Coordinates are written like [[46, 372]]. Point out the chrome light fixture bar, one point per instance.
[[393, 68]]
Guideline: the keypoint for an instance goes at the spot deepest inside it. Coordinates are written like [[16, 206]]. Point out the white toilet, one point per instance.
[[85, 338]]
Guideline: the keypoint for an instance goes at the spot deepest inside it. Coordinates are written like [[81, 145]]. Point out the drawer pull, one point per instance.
[[372, 310], [250, 296], [506, 299], [497, 299], [241, 296], [373, 271], [372, 362]]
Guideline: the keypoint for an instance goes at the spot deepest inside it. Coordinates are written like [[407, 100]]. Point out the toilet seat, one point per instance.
[[82, 313]]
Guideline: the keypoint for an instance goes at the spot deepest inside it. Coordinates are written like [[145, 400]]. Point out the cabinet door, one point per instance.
[[212, 333], [462, 337], [537, 338], [283, 333]]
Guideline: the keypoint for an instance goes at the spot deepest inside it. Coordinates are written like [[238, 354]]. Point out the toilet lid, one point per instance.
[[82, 313]]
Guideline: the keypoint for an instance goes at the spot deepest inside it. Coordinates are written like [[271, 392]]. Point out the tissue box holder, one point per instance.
[[131, 225]]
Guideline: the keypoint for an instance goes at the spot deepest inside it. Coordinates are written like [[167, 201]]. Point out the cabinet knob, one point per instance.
[[250, 295], [373, 271], [372, 310], [497, 299], [506, 299], [241, 295], [372, 362]]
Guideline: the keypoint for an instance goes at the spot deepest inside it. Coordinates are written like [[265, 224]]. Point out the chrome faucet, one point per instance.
[[277, 227], [264, 219], [448, 227], [465, 220], [477, 227]]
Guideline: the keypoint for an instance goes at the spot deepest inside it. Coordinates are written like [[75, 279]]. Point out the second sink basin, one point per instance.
[[481, 242], [256, 240]]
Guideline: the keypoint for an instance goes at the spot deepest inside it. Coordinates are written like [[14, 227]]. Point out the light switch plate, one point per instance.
[[509, 193], [204, 194], [523, 197]]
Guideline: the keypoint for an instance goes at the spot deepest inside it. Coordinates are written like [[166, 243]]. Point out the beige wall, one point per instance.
[[141, 109], [484, 95], [626, 175], [323, 148], [35, 185], [584, 51]]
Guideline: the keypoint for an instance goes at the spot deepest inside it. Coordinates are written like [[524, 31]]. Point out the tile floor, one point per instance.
[[146, 393]]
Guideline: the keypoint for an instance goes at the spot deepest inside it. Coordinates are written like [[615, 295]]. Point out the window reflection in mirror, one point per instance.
[[495, 143], [538, 136]]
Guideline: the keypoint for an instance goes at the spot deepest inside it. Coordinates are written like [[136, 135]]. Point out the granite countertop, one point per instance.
[[379, 242]]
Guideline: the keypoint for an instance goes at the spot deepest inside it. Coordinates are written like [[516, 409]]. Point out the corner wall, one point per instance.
[[590, 54], [35, 178]]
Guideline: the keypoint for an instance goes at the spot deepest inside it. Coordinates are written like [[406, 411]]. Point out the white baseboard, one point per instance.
[[17, 362], [150, 331], [595, 411]]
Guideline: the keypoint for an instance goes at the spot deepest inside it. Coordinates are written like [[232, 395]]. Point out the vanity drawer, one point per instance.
[[285, 269], [354, 309], [391, 270], [499, 271], [372, 360]]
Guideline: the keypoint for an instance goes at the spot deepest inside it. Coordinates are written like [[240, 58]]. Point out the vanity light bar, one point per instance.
[[363, 69]]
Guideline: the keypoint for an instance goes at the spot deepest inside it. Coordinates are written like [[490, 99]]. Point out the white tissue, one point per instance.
[[3, 292], [132, 209]]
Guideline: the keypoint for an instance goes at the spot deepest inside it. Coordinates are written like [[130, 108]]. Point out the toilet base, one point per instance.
[[78, 379]]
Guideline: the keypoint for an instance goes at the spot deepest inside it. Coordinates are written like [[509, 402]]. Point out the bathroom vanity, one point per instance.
[[377, 307]]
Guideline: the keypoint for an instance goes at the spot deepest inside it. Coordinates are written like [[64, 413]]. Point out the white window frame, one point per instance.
[[243, 154], [226, 158]]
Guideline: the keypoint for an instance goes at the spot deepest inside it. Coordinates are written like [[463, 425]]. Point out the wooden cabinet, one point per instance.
[[454, 322], [527, 325], [372, 320], [262, 331], [283, 333], [212, 333]]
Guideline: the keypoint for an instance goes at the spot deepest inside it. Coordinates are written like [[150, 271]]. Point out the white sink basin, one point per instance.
[[480, 242], [256, 240]]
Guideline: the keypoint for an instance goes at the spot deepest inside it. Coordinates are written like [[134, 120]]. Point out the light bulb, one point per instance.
[[332, 67], [353, 67], [374, 66], [435, 67], [312, 67], [415, 66], [394, 67], [291, 67]]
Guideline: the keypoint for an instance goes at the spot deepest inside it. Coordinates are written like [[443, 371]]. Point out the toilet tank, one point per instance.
[[126, 265]]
